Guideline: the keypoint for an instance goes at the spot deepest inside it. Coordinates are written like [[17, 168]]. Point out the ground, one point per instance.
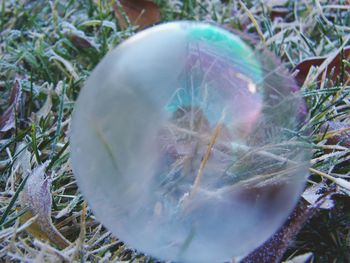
[[48, 49]]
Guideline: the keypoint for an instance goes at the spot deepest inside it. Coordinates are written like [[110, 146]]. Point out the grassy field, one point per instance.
[[48, 49]]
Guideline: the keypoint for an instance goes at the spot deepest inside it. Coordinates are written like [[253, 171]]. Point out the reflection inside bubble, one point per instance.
[[184, 142]]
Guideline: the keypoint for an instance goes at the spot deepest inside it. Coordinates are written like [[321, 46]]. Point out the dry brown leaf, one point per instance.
[[8, 117], [37, 197], [275, 247], [334, 67], [141, 13], [80, 41], [78, 37]]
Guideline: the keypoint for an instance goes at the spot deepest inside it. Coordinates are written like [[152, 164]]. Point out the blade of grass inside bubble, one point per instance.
[[203, 163], [105, 144], [187, 242], [343, 183]]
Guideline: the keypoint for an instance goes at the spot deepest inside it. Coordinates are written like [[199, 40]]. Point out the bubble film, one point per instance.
[[184, 142]]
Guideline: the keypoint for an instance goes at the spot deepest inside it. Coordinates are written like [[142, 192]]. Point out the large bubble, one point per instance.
[[185, 143]]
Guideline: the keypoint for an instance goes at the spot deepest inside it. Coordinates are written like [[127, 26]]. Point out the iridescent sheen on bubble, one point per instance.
[[185, 143]]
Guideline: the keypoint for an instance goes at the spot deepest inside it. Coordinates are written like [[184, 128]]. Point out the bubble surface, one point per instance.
[[184, 142]]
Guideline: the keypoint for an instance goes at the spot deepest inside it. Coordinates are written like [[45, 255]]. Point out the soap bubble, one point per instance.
[[184, 141]]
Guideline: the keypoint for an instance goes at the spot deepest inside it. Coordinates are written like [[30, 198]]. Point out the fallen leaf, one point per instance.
[[8, 118], [141, 13], [275, 247], [78, 37], [334, 67], [37, 197], [80, 41]]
